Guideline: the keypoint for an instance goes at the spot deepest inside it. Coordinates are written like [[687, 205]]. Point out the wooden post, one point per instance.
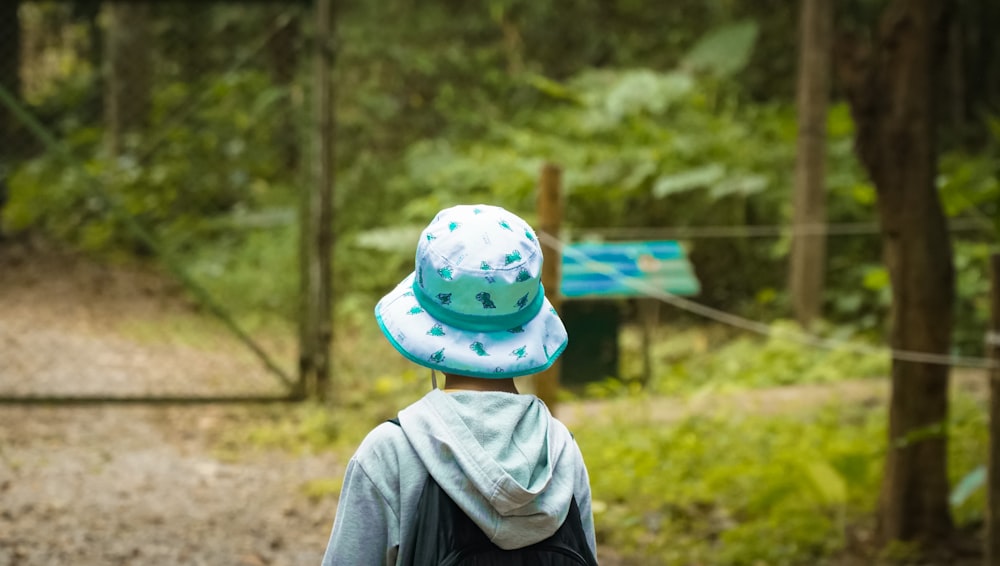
[[992, 538], [808, 257], [549, 221], [127, 74], [649, 315], [316, 328]]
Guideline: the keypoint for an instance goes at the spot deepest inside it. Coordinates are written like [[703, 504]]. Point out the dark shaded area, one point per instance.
[[592, 353]]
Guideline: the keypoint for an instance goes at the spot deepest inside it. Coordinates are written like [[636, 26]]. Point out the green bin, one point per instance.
[[592, 352]]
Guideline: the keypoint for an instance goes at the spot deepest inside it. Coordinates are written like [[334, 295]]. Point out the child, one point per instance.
[[474, 309]]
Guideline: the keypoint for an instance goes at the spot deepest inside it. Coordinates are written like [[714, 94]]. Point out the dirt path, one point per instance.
[[115, 484], [140, 485], [774, 400], [72, 327]]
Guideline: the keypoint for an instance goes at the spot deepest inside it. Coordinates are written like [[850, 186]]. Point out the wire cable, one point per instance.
[[760, 231], [758, 327]]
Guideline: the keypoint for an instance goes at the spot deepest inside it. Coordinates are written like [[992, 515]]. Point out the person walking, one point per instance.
[[475, 310]]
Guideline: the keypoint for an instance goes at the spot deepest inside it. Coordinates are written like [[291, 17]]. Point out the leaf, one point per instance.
[[876, 278], [827, 482], [725, 50], [638, 175], [552, 88], [265, 100], [687, 180], [643, 90], [744, 185], [398, 238], [849, 302], [967, 486]]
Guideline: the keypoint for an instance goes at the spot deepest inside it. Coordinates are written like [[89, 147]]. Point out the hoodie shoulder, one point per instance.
[[560, 426], [381, 455], [381, 443]]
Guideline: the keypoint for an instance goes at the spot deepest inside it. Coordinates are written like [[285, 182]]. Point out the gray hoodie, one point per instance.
[[501, 457]]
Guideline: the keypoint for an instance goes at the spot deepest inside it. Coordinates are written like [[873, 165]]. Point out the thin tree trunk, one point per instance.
[[890, 88], [127, 76], [316, 324], [982, 60], [955, 83], [283, 62], [11, 139], [808, 259], [992, 536], [90, 12]]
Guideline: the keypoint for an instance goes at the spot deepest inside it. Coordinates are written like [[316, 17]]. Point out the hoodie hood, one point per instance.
[[496, 455]]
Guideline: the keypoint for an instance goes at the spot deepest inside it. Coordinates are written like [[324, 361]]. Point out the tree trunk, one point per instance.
[[10, 79], [87, 13], [890, 87], [127, 73], [283, 62], [809, 216], [982, 58], [992, 535], [316, 323]]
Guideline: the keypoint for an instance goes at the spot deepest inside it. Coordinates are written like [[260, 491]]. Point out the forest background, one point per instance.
[[670, 121]]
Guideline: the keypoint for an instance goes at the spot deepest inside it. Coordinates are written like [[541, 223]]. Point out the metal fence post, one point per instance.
[[316, 330], [992, 538]]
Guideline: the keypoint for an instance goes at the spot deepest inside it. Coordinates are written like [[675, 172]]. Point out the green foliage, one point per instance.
[[218, 160], [661, 116], [972, 309], [319, 488], [724, 51], [744, 490], [772, 361], [693, 362], [639, 148], [967, 449], [969, 485], [309, 427], [232, 268]]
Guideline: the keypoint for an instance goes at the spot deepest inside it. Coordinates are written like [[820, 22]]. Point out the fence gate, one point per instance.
[[151, 155]]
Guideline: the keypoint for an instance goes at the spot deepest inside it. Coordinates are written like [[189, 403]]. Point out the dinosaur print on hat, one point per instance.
[[486, 300], [437, 357]]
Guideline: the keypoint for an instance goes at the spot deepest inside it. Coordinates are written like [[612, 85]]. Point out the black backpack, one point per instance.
[[446, 536]]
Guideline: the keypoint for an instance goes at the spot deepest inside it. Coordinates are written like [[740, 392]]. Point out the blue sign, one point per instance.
[[626, 269]]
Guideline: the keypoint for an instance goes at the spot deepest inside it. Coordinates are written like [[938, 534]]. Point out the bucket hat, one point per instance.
[[474, 304]]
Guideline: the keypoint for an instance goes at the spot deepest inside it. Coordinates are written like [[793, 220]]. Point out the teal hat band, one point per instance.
[[479, 323]]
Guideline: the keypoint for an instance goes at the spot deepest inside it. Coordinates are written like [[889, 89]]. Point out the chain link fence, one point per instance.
[[151, 156]]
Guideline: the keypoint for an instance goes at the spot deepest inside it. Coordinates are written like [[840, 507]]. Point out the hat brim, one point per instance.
[[424, 340]]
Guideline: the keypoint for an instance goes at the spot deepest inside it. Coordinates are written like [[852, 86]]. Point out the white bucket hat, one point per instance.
[[475, 305]]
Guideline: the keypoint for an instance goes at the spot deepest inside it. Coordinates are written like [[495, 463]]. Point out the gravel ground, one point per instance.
[[121, 484], [71, 327], [141, 485]]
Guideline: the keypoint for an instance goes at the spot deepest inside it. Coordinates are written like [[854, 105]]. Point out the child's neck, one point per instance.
[[465, 383]]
